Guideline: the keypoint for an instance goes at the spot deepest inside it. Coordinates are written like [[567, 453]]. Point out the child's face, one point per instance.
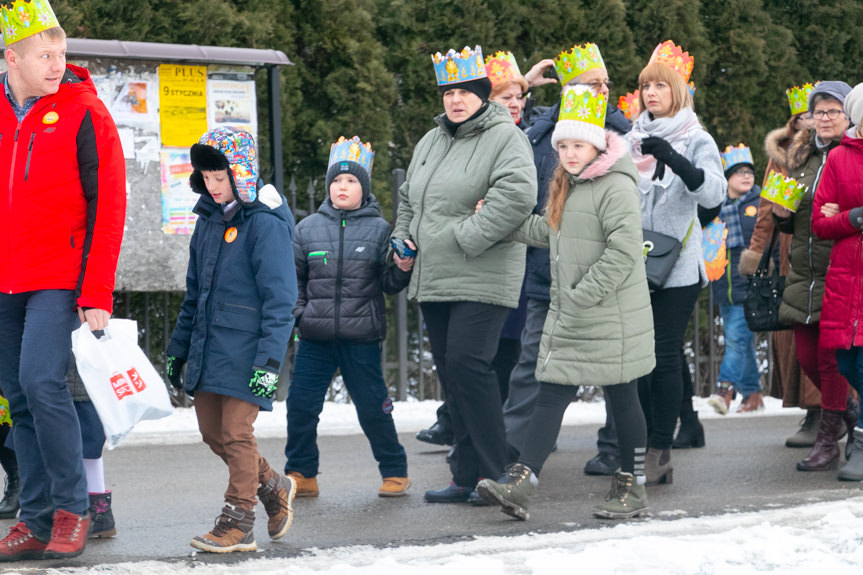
[[575, 155], [346, 192], [218, 184]]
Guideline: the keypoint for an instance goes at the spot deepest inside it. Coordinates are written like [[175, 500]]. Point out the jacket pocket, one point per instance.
[[239, 317]]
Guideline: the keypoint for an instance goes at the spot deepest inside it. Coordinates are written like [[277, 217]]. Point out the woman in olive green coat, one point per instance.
[[599, 328]]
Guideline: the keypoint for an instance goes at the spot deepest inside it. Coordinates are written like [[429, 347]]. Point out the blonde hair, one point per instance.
[[558, 189], [51, 34], [656, 72], [501, 87]]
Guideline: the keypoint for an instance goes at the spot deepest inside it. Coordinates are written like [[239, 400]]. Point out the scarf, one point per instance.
[[730, 214], [676, 130]]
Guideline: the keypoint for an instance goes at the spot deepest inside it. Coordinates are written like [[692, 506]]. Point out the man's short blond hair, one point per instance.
[[51, 34]]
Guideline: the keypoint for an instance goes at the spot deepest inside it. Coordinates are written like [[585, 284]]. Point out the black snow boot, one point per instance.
[[690, 433], [9, 504], [101, 516]]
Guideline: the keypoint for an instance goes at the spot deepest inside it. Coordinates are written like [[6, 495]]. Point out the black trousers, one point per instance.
[[662, 391], [464, 340]]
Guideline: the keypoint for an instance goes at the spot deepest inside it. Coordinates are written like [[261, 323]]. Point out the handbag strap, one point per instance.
[[688, 233], [764, 264]]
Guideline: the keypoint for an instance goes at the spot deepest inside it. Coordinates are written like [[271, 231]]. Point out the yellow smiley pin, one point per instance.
[[751, 211], [50, 118]]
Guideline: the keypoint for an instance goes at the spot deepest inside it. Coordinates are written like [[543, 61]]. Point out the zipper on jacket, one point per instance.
[[322, 254], [12, 165], [223, 305], [29, 155], [559, 288], [338, 302], [812, 240]]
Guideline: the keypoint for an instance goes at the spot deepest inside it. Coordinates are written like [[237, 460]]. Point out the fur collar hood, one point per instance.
[[615, 148], [778, 142]]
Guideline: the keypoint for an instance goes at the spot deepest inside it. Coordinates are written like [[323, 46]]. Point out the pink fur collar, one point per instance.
[[615, 148]]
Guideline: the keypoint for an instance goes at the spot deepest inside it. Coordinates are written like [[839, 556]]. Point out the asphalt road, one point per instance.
[[163, 496]]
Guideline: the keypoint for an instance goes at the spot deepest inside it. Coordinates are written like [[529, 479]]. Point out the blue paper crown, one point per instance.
[[458, 67], [353, 150], [733, 156]]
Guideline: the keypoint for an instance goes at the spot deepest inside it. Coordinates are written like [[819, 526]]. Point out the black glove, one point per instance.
[[263, 382], [174, 367], [667, 156], [855, 216]]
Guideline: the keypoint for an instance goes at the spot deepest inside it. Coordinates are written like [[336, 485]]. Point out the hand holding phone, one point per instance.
[[404, 248]]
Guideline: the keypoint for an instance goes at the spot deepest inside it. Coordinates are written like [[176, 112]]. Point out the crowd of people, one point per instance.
[[548, 248]]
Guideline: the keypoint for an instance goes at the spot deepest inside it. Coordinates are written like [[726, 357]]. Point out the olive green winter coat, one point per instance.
[[466, 256], [599, 327]]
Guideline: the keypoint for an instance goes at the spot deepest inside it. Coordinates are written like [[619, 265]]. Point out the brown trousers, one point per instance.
[[226, 426]]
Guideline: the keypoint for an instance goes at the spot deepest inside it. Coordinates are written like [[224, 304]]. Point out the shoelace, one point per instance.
[[67, 527], [273, 503], [618, 488], [223, 524], [17, 535]]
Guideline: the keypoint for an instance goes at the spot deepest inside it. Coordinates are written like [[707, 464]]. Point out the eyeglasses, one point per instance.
[[745, 172], [595, 86], [832, 114]]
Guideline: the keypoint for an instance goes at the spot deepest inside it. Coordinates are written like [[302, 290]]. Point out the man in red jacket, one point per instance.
[[62, 208]]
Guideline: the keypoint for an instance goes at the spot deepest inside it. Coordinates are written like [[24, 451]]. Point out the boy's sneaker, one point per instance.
[[101, 516], [21, 544], [306, 486], [721, 402], [277, 496], [751, 403], [234, 531], [394, 487], [69, 535], [626, 499], [512, 492]]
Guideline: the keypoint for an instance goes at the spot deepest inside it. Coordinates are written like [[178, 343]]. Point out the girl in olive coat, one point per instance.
[[599, 328]]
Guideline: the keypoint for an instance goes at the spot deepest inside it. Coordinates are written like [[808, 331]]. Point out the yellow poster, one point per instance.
[[182, 104]]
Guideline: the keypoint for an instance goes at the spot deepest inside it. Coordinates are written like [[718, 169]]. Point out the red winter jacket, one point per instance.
[[842, 183], [62, 194]]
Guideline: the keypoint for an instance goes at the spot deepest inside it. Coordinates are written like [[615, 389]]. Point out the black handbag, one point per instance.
[[764, 294], [660, 255]]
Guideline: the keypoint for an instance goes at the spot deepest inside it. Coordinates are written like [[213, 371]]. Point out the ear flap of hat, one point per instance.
[[207, 159]]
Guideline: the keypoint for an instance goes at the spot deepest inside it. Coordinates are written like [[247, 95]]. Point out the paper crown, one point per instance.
[[457, 67], [672, 55], [24, 18], [577, 61], [798, 98], [733, 156], [353, 150], [787, 192], [630, 105], [580, 104], [501, 67]]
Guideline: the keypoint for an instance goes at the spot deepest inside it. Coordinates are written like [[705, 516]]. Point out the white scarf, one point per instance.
[[675, 130]]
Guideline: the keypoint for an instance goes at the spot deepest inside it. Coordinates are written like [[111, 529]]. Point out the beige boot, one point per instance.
[[657, 466]]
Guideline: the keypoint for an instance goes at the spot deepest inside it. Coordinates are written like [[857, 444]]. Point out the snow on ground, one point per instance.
[[817, 538], [410, 416]]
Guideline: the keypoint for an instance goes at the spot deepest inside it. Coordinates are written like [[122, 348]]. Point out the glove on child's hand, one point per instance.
[[174, 367], [263, 382]]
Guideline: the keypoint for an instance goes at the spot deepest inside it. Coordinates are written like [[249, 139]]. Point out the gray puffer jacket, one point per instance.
[[342, 274]]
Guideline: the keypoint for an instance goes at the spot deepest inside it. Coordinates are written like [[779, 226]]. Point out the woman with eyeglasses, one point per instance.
[[679, 169], [809, 258]]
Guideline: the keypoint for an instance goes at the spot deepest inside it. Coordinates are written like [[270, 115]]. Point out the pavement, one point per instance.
[[165, 495]]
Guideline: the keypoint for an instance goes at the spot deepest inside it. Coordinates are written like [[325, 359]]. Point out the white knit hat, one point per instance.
[[854, 105], [582, 117], [575, 130]]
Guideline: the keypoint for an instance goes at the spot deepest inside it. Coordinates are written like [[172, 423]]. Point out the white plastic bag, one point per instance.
[[122, 383]]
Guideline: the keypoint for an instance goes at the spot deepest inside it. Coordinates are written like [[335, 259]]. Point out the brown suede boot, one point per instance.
[[825, 453], [657, 466]]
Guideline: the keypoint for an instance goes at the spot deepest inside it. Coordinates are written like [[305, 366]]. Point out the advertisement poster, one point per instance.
[[232, 103], [182, 104], [135, 104], [178, 199]]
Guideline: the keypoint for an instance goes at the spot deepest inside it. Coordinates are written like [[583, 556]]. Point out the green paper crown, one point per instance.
[[787, 192], [577, 61], [798, 98], [580, 104], [24, 18]]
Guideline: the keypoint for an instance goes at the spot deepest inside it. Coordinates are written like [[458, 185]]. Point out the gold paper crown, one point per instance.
[[578, 103], [786, 192], [731, 156], [353, 150], [501, 67], [577, 61], [24, 18], [673, 56], [798, 98], [630, 105], [455, 67]]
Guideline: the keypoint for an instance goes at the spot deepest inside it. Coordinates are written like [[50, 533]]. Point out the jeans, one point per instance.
[[739, 366], [360, 365], [851, 366], [35, 350]]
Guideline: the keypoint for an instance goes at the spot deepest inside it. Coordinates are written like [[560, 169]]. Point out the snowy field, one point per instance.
[[819, 537]]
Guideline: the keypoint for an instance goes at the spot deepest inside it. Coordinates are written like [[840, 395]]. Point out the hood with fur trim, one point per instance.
[[615, 148], [778, 141]]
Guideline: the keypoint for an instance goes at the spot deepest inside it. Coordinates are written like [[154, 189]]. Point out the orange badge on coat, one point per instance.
[[751, 211], [230, 234], [50, 118]]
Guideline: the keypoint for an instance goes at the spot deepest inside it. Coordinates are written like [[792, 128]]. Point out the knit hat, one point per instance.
[[582, 117], [351, 157], [227, 148], [833, 88], [854, 105]]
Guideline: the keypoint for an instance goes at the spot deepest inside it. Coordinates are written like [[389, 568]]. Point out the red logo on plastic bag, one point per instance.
[[137, 380], [121, 385]]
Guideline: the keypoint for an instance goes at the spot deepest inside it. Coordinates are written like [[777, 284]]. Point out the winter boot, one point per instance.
[[9, 504], [234, 531], [68, 536], [657, 466], [394, 487], [690, 433], [722, 400], [277, 496], [306, 486], [437, 434], [853, 470], [101, 516], [21, 544], [852, 410], [805, 436], [626, 499], [603, 463], [512, 492], [825, 452]]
